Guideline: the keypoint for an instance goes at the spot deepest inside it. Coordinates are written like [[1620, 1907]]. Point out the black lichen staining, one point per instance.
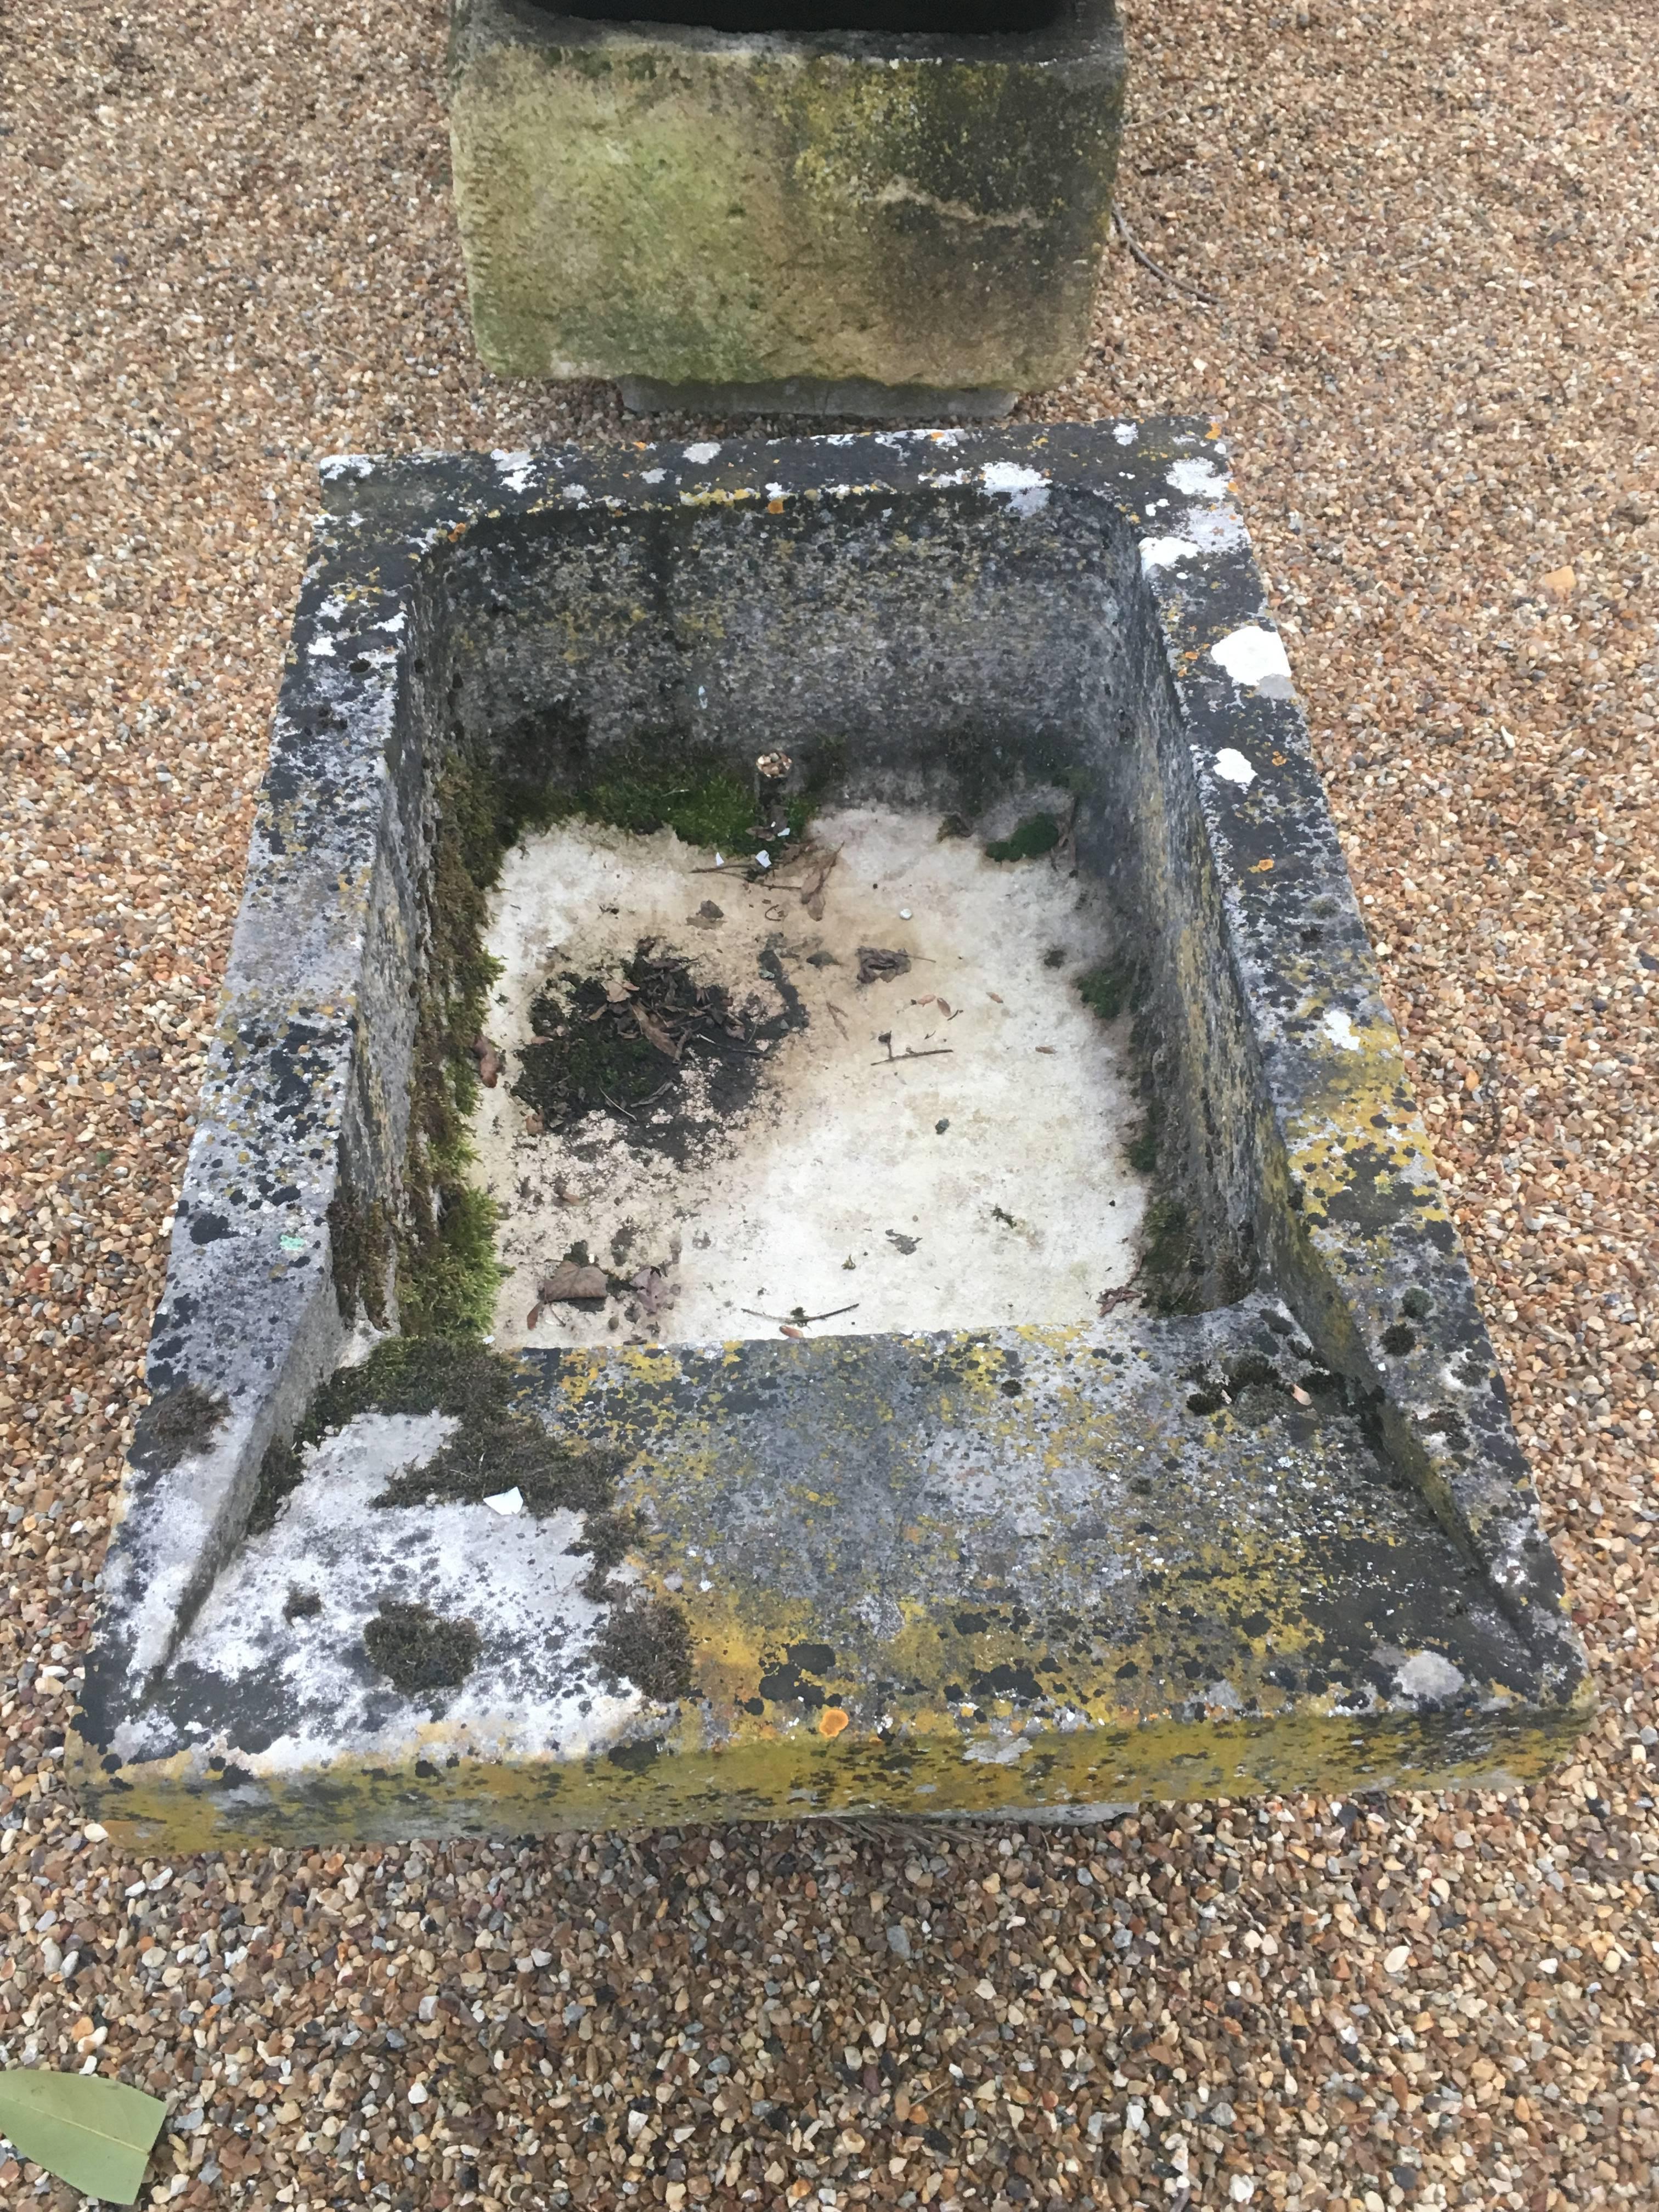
[[301, 1605], [178, 1425], [647, 1642], [1036, 835], [418, 1651], [625, 1045]]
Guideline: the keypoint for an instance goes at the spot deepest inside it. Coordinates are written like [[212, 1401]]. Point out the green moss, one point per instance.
[[497, 1445], [1036, 835], [1170, 1263], [1141, 1151], [359, 1235], [418, 1651], [178, 1423], [648, 1643], [447, 1273], [697, 796], [1106, 989]]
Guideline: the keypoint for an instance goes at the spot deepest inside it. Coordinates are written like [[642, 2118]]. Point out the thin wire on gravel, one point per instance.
[[230, 248]]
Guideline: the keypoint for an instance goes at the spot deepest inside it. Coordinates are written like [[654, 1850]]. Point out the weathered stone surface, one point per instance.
[[836, 209], [1284, 1540]]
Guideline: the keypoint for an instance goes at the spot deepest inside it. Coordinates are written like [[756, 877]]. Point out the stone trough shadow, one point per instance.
[[805, 1201]]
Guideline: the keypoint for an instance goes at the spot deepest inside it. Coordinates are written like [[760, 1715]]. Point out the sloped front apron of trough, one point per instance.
[[1276, 1535], [885, 221]]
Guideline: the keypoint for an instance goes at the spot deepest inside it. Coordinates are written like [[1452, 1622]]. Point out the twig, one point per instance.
[[1147, 261], [898, 1059], [1108, 1301], [801, 1320]]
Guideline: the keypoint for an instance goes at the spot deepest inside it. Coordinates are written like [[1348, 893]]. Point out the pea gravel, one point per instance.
[[1429, 229]]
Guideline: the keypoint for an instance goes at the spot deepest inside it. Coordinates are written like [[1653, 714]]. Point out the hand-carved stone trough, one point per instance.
[[883, 208], [853, 929]]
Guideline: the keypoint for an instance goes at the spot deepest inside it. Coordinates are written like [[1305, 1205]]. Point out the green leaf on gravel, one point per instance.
[[92, 2133]]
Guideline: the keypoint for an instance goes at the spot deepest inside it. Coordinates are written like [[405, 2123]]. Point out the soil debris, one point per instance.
[[625, 1044]]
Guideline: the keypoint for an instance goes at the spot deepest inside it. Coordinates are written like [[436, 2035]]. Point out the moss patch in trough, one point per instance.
[[700, 799], [447, 1272], [1106, 989], [1036, 835], [418, 1651], [360, 1236]]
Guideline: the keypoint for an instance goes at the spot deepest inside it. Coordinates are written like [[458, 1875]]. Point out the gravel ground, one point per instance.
[[1431, 229]]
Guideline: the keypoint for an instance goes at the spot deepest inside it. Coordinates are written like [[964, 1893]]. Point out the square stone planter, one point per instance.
[[866, 221], [853, 929]]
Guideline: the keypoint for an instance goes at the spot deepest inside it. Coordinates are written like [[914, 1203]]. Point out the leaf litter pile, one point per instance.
[[669, 1057]]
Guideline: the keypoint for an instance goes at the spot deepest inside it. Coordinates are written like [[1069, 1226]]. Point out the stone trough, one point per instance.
[[881, 208], [805, 1200]]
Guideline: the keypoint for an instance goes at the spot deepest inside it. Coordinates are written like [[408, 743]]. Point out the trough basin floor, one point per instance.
[[941, 1145]]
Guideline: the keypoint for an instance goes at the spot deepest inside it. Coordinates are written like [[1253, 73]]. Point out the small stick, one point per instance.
[[801, 1320], [898, 1059], [1147, 261]]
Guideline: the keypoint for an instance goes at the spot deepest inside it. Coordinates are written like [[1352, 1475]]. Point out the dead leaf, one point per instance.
[[1559, 585], [570, 1283], [655, 1034], [651, 1285], [1300, 1395], [880, 964], [995, 995], [490, 1068], [944, 1005], [533, 1124], [1049, 1049], [784, 1329], [531, 1318]]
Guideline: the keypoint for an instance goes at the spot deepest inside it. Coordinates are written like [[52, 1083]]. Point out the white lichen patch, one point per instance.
[[1164, 552], [1339, 1027], [1428, 1674], [942, 1148], [513, 1577], [701, 455], [1255, 659], [1232, 767], [1026, 490], [1197, 479]]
